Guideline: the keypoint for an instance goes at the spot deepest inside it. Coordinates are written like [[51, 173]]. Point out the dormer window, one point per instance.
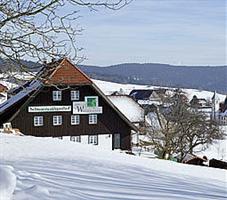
[[57, 96], [75, 95]]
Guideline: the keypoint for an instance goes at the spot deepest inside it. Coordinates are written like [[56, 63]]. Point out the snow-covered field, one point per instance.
[[109, 88], [46, 168]]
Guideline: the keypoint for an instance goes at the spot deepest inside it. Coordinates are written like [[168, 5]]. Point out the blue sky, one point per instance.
[[180, 32]]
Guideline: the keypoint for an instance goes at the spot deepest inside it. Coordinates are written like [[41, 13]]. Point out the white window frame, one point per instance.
[[57, 120], [93, 139], [223, 120], [76, 138], [75, 95], [38, 121], [75, 119], [93, 119], [72, 138], [57, 95]]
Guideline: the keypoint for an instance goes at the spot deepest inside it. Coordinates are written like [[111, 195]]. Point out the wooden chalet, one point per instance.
[[194, 160], [64, 102], [218, 164]]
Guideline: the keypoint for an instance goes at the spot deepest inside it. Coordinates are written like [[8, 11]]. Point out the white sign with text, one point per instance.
[[49, 108], [80, 107]]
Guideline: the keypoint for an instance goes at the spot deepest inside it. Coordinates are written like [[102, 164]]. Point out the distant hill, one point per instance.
[[201, 77], [32, 66], [198, 77]]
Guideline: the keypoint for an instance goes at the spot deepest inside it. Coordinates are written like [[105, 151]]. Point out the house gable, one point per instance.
[[67, 74]]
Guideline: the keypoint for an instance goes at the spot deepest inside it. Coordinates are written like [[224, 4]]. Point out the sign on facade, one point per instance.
[[49, 109], [89, 106]]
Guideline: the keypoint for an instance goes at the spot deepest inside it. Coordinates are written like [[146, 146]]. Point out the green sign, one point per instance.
[[91, 102]]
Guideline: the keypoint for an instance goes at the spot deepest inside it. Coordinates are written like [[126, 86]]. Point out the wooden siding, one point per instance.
[[109, 122], [8, 113]]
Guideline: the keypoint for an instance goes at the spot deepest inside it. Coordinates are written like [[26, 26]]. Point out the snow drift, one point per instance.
[[7, 182], [48, 168]]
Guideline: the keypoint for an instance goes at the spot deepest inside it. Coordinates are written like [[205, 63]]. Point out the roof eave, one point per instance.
[[132, 126]]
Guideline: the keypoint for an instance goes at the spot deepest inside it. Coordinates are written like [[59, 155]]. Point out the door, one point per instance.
[[117, 141]]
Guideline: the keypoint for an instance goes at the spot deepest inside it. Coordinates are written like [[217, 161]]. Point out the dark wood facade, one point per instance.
[[109, 121]]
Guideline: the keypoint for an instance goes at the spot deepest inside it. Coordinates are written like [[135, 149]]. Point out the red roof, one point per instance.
[[67, 73], [3, 88]]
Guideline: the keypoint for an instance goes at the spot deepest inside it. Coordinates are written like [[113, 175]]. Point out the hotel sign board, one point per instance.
[[89, 106], [80, 107], [35, 109]]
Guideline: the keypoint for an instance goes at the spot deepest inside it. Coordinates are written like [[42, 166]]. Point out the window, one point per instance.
[[57, 95], [93, 119], [72, 138], [38, 120], [75, 119], [57, 120], [93, 139], [78, 138], [222, 120], [75, 138], [75, 95]]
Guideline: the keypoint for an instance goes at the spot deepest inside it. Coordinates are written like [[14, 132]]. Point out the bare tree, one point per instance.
[[178, 128], [43, 29]]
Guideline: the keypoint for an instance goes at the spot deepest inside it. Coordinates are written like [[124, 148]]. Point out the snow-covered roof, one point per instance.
[[30, 88], [223, 113], [148, 102], [152, 119], [132, 110]]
